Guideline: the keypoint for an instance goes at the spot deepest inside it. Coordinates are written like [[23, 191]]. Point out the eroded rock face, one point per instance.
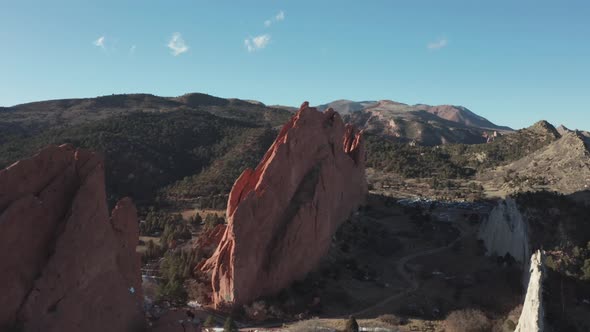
[[282, 215], [505, 231], [67, 265], [532, 316]]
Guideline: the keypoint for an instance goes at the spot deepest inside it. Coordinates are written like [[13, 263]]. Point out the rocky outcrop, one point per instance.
[[490, 136], [563, 166], [66, 265], [505, 231], [532, 316], [282, 215]]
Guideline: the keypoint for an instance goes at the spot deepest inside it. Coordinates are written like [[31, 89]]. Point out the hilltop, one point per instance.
[[33, 118]]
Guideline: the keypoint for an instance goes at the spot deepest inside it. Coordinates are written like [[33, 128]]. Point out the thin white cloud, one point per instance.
[[99, 42], [437, 45], [132, 49], [256, 43], [177, 44], [280, 16]]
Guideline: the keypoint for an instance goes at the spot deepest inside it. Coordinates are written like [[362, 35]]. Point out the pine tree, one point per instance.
[[209, 322], [230, 325], [352, 325]]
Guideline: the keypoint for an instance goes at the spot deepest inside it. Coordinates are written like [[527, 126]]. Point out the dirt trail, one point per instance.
[[413, 284]]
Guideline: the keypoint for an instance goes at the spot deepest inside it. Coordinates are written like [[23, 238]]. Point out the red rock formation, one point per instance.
[[66, 266], [208, 240], [282, 215]]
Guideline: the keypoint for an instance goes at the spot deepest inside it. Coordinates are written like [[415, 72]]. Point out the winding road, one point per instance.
[[400, 268]]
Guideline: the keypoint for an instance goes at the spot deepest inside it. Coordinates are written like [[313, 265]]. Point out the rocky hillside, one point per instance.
[[504, 149], [562, 166], [33, 118], [423, 124], [150, 142]]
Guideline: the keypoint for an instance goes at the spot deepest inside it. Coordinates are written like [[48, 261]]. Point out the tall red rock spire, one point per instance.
[[282, 215]]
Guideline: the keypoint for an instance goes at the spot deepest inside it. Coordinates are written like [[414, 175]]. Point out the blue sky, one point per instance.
[[513, 62]]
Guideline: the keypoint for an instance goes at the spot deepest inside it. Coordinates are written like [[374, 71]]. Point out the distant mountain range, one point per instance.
[[195, 145], [32, 118], [423, 124]]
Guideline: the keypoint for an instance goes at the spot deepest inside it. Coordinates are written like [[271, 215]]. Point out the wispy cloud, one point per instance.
[[280, 16], [132, 49], [437, 45], [100, 42], [177, 44], [256, 43]]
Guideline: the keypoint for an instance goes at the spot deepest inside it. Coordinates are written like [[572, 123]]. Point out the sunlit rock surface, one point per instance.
[[282, 215], [505, 231], [532, 316]]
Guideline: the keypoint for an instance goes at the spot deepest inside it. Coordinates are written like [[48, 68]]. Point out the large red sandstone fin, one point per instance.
[[281, 215], [66, 265]]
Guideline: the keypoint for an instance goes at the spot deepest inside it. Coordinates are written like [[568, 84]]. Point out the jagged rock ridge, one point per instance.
[[282, 215], [563, 166], [67, 265]]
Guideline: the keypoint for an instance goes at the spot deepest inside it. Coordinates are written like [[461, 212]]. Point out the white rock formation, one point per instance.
[[506, 231], [532, 316]]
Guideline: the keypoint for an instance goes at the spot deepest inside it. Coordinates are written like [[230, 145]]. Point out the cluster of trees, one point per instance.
[[573, 262], [174, 232], [175, 268], [453, 161], [558, 224], [413, 161], [212, 220], [146, 153], [156, 221], [212, 184], [152, 251], [503, 150], [167, 226]]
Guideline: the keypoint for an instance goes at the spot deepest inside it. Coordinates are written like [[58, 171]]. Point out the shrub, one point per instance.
[[389, 319], [209, 322], [351, 325], [309, 325], [152, 251], [196, 220], [229, 325], [212, 220], [468, 320], [586, 270], [256, 311], [172, 290]]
